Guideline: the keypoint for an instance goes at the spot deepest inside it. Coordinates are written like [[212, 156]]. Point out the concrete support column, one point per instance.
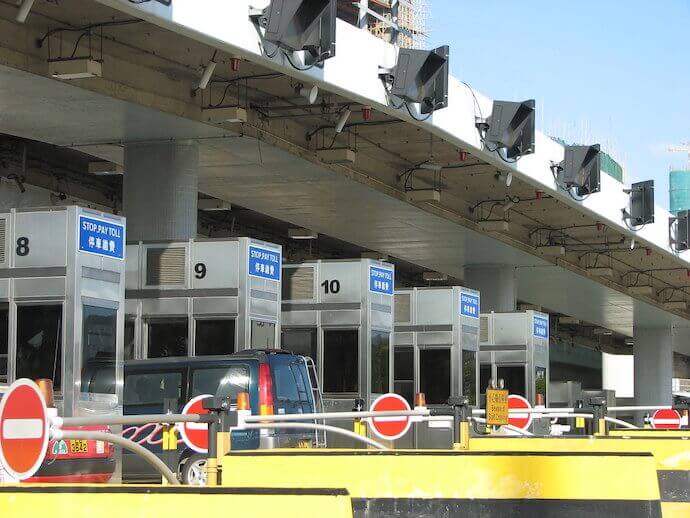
[[653, 351], [497, 285], [160, 190]]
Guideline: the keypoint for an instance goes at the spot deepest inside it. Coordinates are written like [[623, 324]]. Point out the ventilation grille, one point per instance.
[[165, 267], [483, 330], [298, 283], [3, 223], [402, 307]]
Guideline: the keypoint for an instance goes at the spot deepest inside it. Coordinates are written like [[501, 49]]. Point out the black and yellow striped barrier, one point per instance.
[[461, 483], [99, 501], [671, 454]]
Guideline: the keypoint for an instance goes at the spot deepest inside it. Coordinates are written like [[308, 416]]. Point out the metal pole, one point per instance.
[[125, 443], [335, 416], [395, 10], [130, 419]]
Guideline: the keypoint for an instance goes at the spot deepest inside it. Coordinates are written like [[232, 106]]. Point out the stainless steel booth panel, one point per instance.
[[218, 286], [335, 312]]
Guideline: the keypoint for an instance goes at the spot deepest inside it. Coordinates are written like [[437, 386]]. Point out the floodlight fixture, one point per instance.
[[206, 75], [309, 93], [24, 9], [342, 120], [511, 126], [296, 25], [641, 203], [581, 169], [420, 76], [681, 240]]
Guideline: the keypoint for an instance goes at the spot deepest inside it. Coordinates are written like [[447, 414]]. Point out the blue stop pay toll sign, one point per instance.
[[540, 327], [264, 263], [469, 305], [101, 237], [381, 280]]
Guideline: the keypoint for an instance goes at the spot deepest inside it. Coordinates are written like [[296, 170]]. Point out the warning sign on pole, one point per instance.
[[519, 419], [390, 427], [23, 429], [667, 419], [496, 407], [195, 435]]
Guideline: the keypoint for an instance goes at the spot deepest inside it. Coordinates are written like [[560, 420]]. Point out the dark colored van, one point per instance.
[[277, 381]]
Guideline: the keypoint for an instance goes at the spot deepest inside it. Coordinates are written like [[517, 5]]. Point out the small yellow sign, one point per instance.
[[78, 446], [496, 407]]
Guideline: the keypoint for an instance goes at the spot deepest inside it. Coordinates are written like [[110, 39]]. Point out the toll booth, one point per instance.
[[62, 288], [340, 313], [202, 297], [514, 347], [436, 343], [436, 352]]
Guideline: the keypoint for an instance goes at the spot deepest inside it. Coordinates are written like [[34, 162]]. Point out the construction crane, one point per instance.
[[683, 148]]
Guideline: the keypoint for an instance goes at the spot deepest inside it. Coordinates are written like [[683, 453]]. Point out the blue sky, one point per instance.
[[610, 71]]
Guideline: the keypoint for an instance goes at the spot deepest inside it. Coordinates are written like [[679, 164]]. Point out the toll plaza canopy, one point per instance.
[[279, 162]]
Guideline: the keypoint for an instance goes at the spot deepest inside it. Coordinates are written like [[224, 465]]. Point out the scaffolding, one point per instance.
[[412, 19]]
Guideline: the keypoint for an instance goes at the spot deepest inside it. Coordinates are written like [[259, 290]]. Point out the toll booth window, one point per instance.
[[129, 339], [540, 383], [299, 341], [98, 350], [380, 362], [4, 321], [39, 343], [469, 375], [214, 337], [513, 377], [434, 375], [403, 373], [148, 390], [340, 361], [263, 335], [220, 381], [168, 337], [484, 377]]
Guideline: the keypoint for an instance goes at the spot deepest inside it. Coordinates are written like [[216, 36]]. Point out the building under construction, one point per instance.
[[381, 16]]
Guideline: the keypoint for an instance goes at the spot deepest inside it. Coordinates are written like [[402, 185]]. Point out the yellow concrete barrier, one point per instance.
[[649, 432], [459, 483], [671, 454], [98, 501]]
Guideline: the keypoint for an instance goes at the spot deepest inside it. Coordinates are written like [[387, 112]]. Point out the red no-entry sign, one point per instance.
[[519, 419], [668, 419], [23, 429], [195, 435], [390, 428]]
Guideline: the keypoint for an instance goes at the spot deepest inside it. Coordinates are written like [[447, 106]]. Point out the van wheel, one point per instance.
[[193, 471]]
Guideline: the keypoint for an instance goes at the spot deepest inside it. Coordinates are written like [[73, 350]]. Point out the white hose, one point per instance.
[[622, 423]]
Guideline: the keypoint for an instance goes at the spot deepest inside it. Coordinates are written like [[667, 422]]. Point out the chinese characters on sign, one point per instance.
[[540, 327], [381, 280], [101, 237], [469, 305], [264, 263]]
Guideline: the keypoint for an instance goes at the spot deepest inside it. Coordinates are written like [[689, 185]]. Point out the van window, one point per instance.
[[152, 388], [214, 337], [223, 381], [297, 371], [285, 383]]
